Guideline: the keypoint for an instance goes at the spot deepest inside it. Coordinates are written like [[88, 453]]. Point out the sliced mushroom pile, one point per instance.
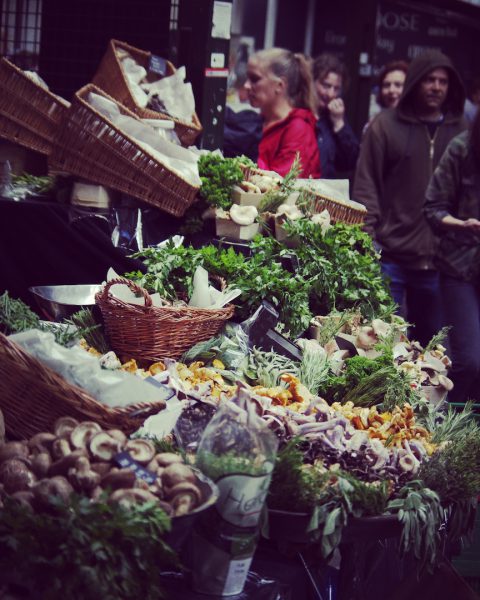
[[78, 457]]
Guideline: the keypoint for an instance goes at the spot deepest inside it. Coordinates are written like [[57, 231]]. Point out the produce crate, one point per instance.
[[33, 397], [29, 114], [89, 146], [111, 78]]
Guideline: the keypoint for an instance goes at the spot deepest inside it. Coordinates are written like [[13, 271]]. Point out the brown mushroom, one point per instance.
[[57, 487], [96, 493], [82, 477], [119, 479], [25, 498], [15, 476], [118, 435], [140, 450], [13, 450], [164, 459], [157, 488], [103, 446], [41, 442], [177, 473], [129, 498], [83, 433], [41, 463], [61, 466], [64, 426], [141, 484], [165, 506], [60, 448], [184, 497], [101, 467]]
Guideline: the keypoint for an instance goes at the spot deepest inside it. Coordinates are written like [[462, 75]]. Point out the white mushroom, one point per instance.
[[243, 215]]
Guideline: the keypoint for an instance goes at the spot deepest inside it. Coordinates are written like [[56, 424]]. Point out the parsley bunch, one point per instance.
[[218, 176]]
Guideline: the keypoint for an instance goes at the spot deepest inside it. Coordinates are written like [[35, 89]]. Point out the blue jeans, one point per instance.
[[461, 309], [416, 291]]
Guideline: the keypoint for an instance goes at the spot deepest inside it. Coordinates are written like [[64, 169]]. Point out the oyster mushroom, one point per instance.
[[13, 450], [184, 497], [381, 328], [81, 475], [16, 476], [177, 473], [118, 479], [129, 498], [140, 450], [83, 433], [64, 426], [445, 382], [103, 446]]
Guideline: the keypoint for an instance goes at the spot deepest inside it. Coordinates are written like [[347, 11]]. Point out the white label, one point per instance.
[[217, 59], [242, 498], [236, 576], [222, 19]]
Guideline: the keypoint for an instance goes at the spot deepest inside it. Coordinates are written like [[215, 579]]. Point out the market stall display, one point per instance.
[[112, 78], [29, 113]]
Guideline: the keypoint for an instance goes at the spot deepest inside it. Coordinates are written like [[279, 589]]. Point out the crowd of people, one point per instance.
[[416, 169]]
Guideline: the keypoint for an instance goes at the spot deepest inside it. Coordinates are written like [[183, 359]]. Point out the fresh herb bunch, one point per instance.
[[266, 368], [274, 198], [86, 550], [454, 470], [215, 466], [218, 176], [421, 514], [35, 184], [452, 424], [314, 367]]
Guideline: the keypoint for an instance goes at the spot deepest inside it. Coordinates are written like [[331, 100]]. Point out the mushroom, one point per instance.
[[243, 215], [142, 451], [177, 473], [83, 433], [13, 450], [41, 464], [101, 467], [61, 448], [96, 493], [119, 479], [165, 459], [25, 498], [184, 497], [129, 498], [165, 506], [15, 476], [366, 338], [118, 435], [81, 475], [61, 466], [445, 382], [57, 487], [41, 442], [64, 426], [103, 446]]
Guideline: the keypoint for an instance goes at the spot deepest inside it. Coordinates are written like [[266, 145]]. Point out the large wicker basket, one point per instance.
[[88, 145], [111, 78], [33, 396], [29, 114], [151, 333]]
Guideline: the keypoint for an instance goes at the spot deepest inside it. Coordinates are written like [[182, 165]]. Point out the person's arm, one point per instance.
[[346, 143], [368, 183], [298, 136], [443, 191]]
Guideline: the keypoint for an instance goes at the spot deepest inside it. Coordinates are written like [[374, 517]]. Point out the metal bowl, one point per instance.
[[59, 301]]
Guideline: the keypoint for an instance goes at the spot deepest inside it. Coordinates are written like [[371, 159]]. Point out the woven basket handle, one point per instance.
[[136, 289]]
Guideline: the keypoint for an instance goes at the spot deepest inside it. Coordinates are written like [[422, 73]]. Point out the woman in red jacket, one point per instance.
[[280, 84]]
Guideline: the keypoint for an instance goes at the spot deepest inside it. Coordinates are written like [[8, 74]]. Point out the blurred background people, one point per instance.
[[453, 210], [391, 80], [399, 152], [337, 143], [279, 83], [473, 99]]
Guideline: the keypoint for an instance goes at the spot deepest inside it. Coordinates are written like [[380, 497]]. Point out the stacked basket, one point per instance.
[[29, 114], [110, 77], [90, 146]]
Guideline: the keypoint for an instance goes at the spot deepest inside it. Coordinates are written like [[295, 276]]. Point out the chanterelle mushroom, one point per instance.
[[103, 446], [141, 450], [83, 433]]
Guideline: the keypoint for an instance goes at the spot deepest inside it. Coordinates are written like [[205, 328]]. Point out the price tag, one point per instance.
[[157, 65], [124, 460]]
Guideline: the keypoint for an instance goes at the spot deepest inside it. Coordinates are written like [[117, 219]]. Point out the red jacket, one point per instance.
[[283, 139]]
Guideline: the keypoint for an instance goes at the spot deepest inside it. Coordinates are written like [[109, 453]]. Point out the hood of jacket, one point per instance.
[[421, 66]]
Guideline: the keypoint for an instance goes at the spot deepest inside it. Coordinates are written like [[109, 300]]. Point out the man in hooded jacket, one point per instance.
[[399, 153]]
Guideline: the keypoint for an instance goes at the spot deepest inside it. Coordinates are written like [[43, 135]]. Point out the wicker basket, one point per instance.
[[153, 333], [29, 114], [33, 396], [88, 145], [111, 78]]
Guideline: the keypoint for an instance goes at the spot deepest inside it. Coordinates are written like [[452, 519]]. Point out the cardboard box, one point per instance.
[[230, 229], [246, 198]]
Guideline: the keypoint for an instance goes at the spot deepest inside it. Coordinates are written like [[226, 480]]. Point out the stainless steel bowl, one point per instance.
[[59, 301]]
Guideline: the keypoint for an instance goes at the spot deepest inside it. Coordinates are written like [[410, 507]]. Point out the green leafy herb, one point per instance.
[[274, 198], [438, 338], [218, 176]]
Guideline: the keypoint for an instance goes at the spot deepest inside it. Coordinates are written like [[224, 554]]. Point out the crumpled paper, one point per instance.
[[112, 388], [176, 94], [181, 160]]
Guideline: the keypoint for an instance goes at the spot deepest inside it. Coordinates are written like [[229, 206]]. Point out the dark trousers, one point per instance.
[[416, 291], [461, 308]]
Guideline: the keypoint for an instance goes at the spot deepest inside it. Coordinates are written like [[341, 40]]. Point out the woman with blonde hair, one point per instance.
[[279, 83]]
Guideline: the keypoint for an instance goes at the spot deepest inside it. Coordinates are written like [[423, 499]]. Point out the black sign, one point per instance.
[[125, 461], [157, 65]]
